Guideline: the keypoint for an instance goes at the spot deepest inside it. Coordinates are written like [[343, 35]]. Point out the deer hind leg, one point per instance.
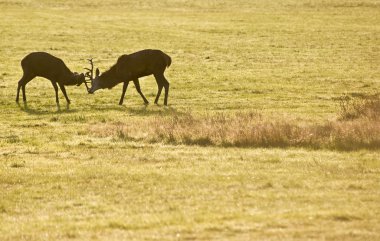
[[20, 83], [137, 85], [166, 86], [64, 92], [26, 78], [162, 82], [160, 85]]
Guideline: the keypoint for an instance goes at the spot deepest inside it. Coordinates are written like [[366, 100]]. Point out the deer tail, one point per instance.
[[168, 60]]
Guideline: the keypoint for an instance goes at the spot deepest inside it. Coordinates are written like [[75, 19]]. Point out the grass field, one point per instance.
[[273, 69]]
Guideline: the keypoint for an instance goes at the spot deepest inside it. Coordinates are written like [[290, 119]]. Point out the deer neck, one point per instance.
[[110, 79]]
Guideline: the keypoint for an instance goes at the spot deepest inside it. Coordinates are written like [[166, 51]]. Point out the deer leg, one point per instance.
[[23, 93], [64, 92], [162, 82], [137, 85], [21, 85], [56, 92], [18, 91], [160, 86], [166, 86], [125, 86]]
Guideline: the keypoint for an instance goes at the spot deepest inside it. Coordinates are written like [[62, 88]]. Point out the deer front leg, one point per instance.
[[56, 92], [64, 92], [162, 82], [137, 85], [125, 86]]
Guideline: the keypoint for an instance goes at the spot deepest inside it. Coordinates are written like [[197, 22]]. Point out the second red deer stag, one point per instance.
[[52, 68], [130, 68]]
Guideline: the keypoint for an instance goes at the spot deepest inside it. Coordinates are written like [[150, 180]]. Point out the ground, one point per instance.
[[64, 176]]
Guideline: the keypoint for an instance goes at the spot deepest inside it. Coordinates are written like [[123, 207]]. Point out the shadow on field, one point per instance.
[[32, 111], [153, 110], [102, 108], [145, 110]]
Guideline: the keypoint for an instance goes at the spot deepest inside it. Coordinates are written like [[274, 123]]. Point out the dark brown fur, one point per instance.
[[133, 66], [52, 68]]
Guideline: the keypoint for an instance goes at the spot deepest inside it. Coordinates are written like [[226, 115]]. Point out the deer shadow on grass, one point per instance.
[[32, 111], [153, 111], [144, 110]]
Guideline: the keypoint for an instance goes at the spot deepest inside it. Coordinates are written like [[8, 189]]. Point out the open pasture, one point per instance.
[[99, 171]]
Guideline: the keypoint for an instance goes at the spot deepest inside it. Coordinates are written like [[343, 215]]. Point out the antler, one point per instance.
[[90, 72]]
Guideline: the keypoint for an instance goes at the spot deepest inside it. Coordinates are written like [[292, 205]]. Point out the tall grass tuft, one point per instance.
[[363, 107], [357, 127], [249, 130]]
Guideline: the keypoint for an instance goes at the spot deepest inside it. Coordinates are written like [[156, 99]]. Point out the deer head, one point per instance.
[[95, 83], [79, 78]]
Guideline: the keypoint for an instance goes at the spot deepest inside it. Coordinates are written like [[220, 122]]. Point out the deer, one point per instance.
[[130, 67], [45, 65]]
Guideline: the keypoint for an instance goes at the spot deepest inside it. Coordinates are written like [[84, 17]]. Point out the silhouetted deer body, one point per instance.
[[52, 68], [133, 66]]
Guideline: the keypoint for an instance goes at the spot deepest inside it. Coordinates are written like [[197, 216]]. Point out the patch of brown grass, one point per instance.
[[250, 129], [359, 107]]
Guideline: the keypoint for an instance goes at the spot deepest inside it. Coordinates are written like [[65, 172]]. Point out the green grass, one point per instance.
[[129, 191], [65, 176]]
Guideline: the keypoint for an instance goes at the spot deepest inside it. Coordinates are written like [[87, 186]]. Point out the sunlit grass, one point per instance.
[[245, 75]]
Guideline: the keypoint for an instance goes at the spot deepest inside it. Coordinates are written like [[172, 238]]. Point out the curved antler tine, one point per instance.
[[90, 71], [85, 83]]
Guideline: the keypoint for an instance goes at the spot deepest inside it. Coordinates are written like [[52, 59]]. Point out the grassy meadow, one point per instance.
[[272, 130]]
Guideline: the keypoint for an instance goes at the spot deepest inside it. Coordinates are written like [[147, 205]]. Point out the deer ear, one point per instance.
[[97, 72]]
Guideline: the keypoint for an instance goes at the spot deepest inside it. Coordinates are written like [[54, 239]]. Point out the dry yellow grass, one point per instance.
[[360, 107], [260, 73], [250, 129]]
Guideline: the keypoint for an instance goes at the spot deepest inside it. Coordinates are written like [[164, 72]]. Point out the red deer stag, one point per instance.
[[52, 68], [130, 67]]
